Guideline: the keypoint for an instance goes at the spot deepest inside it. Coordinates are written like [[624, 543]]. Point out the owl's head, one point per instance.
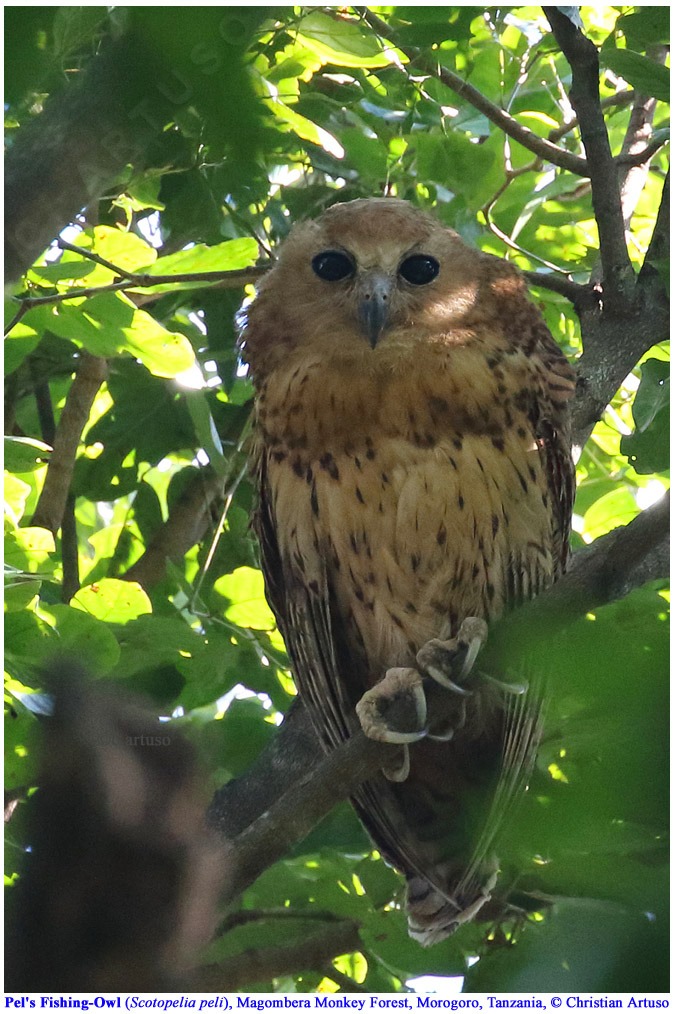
[[366, 278]]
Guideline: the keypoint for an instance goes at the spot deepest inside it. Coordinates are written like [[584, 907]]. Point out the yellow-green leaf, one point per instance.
[[112, 600]]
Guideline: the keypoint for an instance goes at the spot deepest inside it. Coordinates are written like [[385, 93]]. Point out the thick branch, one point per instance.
[[88, 379], [615, 342], [311, 954], [610, 568], [71, 153], [582, 57], [188, 520]]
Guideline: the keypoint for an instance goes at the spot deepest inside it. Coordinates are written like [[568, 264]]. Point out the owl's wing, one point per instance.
[[550, 421], [305, 620]]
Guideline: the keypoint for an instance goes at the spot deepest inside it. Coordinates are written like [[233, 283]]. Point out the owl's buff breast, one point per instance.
[[417, 493]]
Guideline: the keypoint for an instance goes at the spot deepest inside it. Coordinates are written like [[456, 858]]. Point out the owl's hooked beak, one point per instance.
[[374, 296]]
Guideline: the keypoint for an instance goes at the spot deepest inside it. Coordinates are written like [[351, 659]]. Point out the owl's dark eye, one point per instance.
[[420, 269], [332, 266]]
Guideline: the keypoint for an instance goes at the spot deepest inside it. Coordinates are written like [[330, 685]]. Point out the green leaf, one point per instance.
[[112, 600], [648, 447], [24, 455], [24, 336], [610, 511], [229, 256], [245, 589], [28, 640], [84, 637], [646, 26], [456, 163], [643, 74], [366, 154], [110, 325], [653, 395], [206, 431], [305, 128], [16, 493], [342, 42], [20, 592], [27, 549]]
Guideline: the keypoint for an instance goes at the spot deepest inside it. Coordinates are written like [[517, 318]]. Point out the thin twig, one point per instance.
[[577, 293], [89, 255], [622, 98], [219, 279]]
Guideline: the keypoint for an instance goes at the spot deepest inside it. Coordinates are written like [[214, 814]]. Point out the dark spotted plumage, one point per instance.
[[441, 488]]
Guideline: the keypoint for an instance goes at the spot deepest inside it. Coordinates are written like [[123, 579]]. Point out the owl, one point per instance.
[[414, 478]]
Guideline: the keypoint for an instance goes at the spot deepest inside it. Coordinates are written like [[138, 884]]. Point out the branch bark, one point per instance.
[[582, 57], [615, 341], [92, 372], [311, 954], [187, 523], [71, 153]]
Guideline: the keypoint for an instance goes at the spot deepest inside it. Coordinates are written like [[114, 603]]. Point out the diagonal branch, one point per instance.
[[188, 520], [311, 954], [523, 135]]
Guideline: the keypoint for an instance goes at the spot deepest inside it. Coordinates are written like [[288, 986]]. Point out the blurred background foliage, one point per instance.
[[271, 115]]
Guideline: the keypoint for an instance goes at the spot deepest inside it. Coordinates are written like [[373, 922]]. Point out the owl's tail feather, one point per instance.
[[433, 916]]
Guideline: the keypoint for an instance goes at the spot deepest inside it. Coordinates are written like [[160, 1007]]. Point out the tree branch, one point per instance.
[[610, 568], [618, 99], [582, 56], [523, 135], [132, 282], [88, 379], [69, 154], [615, 341], [638, 147], [188, 520], [257, 966]]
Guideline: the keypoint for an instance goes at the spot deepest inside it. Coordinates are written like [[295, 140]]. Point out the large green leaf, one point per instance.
[[643, 74], [648, 447], [110, 325], [340, 41]]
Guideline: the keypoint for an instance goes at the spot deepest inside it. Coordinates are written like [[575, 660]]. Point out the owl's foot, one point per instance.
[[395, 711], [450, 662]]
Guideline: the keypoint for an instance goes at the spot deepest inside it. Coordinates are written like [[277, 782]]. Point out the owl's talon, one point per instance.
[[450, 662], [517, 689], [395, 709], [402, 770]]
